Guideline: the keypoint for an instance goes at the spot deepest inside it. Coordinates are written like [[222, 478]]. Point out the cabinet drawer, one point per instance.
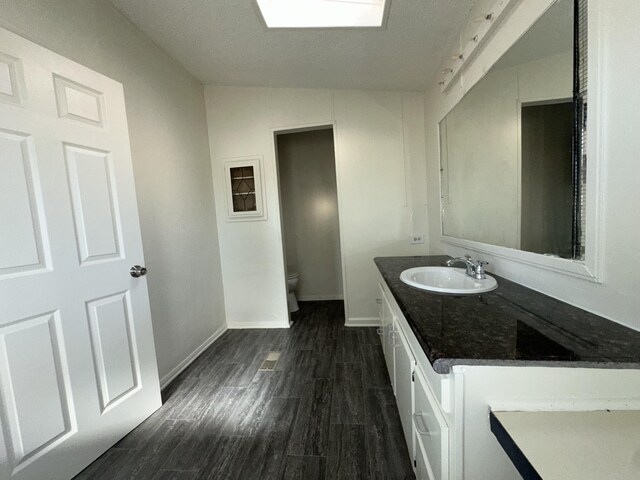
[[431, 430]]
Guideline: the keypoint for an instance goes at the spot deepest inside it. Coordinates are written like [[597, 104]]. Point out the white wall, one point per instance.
[[380, 171], [167, 126], [309, 203], [614, 24], [481, 170]]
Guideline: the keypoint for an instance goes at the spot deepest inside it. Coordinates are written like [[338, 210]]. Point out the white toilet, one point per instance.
[[292, 283]]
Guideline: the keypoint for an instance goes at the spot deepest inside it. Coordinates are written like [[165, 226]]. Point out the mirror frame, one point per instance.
[[589, 268]]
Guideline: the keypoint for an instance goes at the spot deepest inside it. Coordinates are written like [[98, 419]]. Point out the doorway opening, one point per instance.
[[308, 192], [547, 178]]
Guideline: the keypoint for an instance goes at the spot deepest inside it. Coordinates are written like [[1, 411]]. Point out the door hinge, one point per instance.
[[415, 464], [413, 376]]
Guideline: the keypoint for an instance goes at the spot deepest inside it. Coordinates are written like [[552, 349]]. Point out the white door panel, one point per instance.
[[79, 102], [11, 79], [77, 360], [21, 246], [95, 204], [115, 353], [35, 382], [6, 84]]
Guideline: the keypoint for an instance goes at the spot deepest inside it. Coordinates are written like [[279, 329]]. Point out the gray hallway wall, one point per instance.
[[306, 167]]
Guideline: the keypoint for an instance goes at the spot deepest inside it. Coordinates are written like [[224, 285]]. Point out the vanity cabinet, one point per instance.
[[445, 416], [425, 429], [453, 360]]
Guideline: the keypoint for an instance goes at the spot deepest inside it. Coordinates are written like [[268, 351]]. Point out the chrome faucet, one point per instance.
[[475, 268]]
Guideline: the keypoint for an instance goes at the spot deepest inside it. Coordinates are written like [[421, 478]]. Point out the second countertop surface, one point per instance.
[[512, 325], [595, 445]]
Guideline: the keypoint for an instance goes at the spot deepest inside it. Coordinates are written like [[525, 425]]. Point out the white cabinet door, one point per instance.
[[382, 312], [404, 364], [77, 361], [388, 325]]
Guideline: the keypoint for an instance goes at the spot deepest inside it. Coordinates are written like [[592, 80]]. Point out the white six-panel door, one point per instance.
[[77, 360]]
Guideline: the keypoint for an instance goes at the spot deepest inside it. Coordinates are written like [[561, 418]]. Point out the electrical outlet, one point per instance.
[[416, 238]]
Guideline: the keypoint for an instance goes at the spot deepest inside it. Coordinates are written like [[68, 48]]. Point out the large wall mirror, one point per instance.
[[513, 167]]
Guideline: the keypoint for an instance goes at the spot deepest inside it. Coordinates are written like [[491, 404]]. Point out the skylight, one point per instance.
[[322, 13]]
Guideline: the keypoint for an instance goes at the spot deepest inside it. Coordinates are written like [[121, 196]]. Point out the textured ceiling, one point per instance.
[[225, 42]]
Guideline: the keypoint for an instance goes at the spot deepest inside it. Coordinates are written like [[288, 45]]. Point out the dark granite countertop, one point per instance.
[[512, 325]]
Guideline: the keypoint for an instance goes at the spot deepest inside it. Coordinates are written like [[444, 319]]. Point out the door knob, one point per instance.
[[138, 271]]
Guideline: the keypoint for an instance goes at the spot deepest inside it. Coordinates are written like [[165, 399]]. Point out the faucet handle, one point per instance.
[[479, 270]]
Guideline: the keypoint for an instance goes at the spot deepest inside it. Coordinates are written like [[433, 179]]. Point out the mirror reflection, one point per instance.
[[510, 163]]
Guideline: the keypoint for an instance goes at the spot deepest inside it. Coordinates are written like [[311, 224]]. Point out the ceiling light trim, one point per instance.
[[323, 14]]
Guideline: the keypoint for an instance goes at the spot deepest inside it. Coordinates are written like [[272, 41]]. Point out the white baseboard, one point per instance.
[[169, 377], [244, 325], [363, 322], [318, 298]]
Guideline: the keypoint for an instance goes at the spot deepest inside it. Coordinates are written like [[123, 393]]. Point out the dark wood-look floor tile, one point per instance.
[[182, 383], [289, 359], [251, 342], [370, 336], [223, 419], [296, 360], [347, 404], [150, 458], [305, 468], [108, 466], [244, 416], [218, 373], [192, 407], [175, 475], [137, 438], [175, 397], [305, 338], [323, 361], [224, 459], [228, 348], [375, 368], [267, 451], [297, 375], [349, 346], [244, 372], [388, 453], [310, 435], [191, 452], [347, 453], [222, 409], [326, 336], [277, 339]]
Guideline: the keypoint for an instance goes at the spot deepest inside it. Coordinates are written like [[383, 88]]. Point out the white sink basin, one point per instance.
[[447, 280]]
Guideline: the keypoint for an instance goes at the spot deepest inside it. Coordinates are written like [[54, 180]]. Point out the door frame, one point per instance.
[[307, 128]]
